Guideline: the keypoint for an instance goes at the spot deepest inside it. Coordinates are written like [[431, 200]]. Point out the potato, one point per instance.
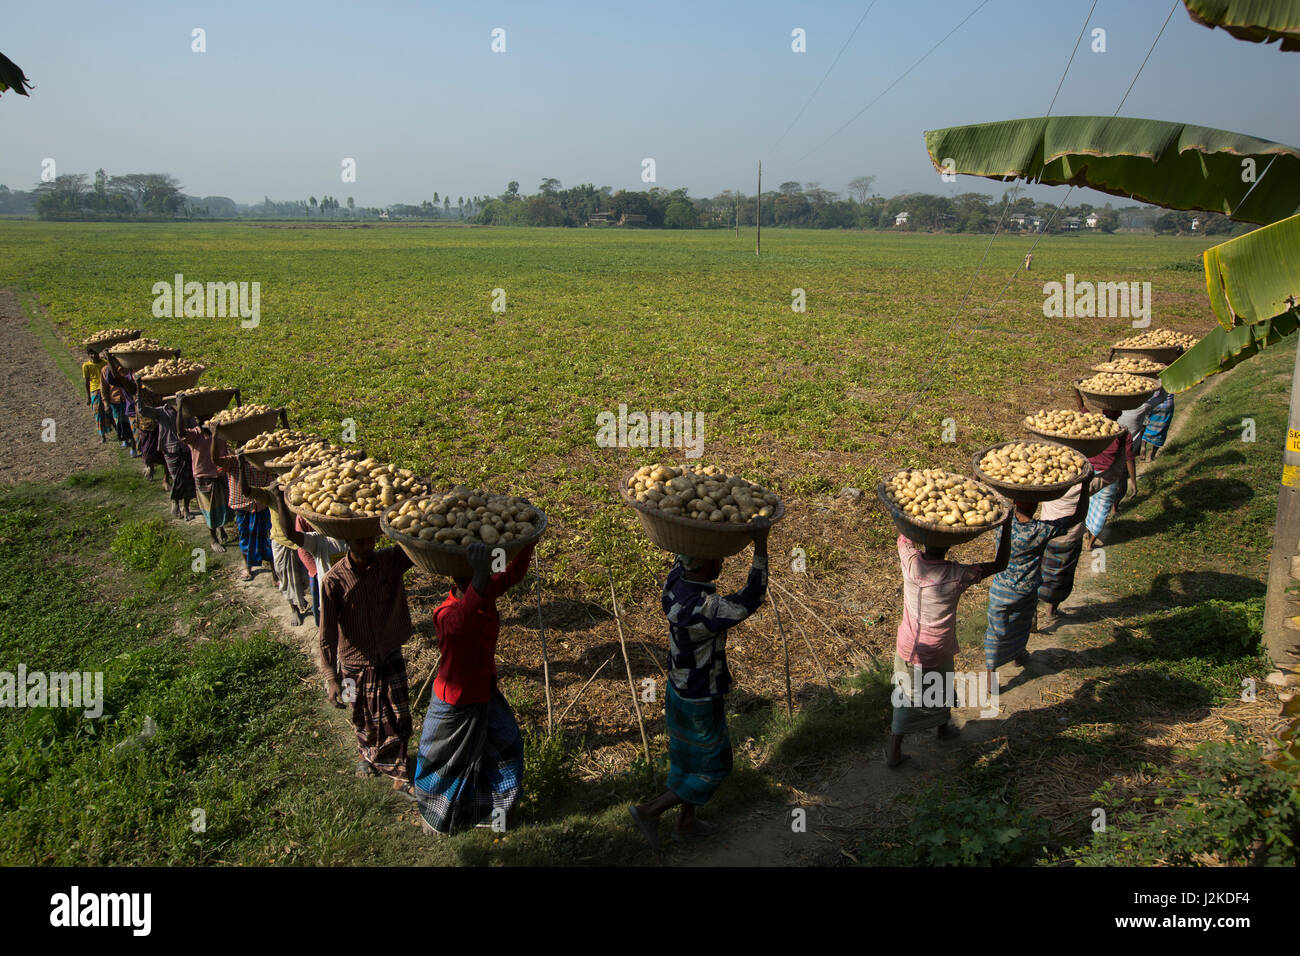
[[1158, 339], [343, 488], [279, 438], [1137, 365], [168, 367], [463, 515], [228, 416]]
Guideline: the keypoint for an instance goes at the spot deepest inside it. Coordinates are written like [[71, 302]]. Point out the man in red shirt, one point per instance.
[[364, 622], [470, 763]]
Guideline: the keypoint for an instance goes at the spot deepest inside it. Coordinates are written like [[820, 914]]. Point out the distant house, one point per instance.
[[632, 219], [601, 219], [1035, 223], [1091, 221], [901, 219], [1071, 223], [1196, 224]]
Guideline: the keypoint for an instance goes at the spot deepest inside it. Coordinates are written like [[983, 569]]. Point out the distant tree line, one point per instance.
[[791, 204]]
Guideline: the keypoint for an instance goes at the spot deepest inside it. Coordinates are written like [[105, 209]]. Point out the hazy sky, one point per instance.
[[585, 91]]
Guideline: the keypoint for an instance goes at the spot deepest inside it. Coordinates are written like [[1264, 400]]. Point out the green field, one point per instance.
[[394, 328]]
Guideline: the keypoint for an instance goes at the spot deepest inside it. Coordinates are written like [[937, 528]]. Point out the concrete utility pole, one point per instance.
[[1281, 623]]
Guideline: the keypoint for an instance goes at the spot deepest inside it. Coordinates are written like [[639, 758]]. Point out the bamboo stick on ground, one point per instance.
[[789, 698], [816, 660], [631, 686], [583, 688], [541, 625]]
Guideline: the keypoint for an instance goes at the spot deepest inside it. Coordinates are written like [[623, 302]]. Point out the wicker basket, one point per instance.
[[1163, 355], [171, 384], [205, 405], [1086, 446], [346, 528], [107, 343], [1028, 492], [438, 557], [935, 536], [1120, 403], [142, 358], [261, 456], [246, 428], [699, 539]]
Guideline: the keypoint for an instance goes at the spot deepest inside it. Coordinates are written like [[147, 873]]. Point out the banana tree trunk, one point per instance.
[[1281, 624]]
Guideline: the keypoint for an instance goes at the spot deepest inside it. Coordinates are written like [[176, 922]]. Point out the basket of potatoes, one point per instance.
[[1088, 432], [170, 375], [202, 403], [937, 508], [436, 530], [1117, 390], [242, 422], [107, 338], [308, 456], [1156, 345], [135, 354], [1031, 470], [272, 445], [346, 499], [698, 510]]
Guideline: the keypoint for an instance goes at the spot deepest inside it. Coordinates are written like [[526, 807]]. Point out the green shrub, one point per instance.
[[154, 548], [974, 830]]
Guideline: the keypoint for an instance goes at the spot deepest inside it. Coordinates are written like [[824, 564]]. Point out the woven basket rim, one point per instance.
[[105, 344], [1110, 371], [695, 524], [1004, 509], [346, 522], [1061, 486], [1055, 440]]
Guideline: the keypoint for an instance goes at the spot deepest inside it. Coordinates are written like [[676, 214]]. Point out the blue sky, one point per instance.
[[585, 91]]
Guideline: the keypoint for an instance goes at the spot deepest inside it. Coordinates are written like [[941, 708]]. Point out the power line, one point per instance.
[[1082, 30], [900, 78], [825, 75]]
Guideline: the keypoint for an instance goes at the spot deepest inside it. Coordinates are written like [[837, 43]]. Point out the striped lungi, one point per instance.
[[292, 575], [1011, 616], [182, 473], [470, 765], [381, 714], [121, 420], [149, 454], [213, 501], [699, 747], [1100, 505], [1060, 561], [914, 716]]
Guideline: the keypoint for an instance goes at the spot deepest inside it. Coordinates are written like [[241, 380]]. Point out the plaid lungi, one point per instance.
[[292, 575], [255, 536], [211, 493], [914, 715], [182, 472], [470, 763], [149, 453], [1100, 505], [381, 714], [1011, 615], [1060, 561], [1158, 423], [699, 747]]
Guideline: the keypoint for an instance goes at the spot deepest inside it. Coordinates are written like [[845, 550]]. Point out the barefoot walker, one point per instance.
[[699, 749]]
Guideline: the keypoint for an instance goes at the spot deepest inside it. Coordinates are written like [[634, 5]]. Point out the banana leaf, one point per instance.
[[1259, 21], [1252, 277], [1222, 348], [1174, 165]]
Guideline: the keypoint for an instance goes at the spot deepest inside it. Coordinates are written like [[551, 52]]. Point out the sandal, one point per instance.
[[366, 769]]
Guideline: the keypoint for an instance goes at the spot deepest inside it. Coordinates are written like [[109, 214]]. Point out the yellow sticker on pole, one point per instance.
[[1291, 476], [1293, 440]]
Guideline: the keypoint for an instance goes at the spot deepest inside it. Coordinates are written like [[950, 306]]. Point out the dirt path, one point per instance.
[[37, 401], [859, 792]]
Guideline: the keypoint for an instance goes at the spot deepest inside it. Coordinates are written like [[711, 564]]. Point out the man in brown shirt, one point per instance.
[[364, 622]]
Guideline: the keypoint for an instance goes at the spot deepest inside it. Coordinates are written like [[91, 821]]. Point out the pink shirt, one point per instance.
[[927, 634]]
